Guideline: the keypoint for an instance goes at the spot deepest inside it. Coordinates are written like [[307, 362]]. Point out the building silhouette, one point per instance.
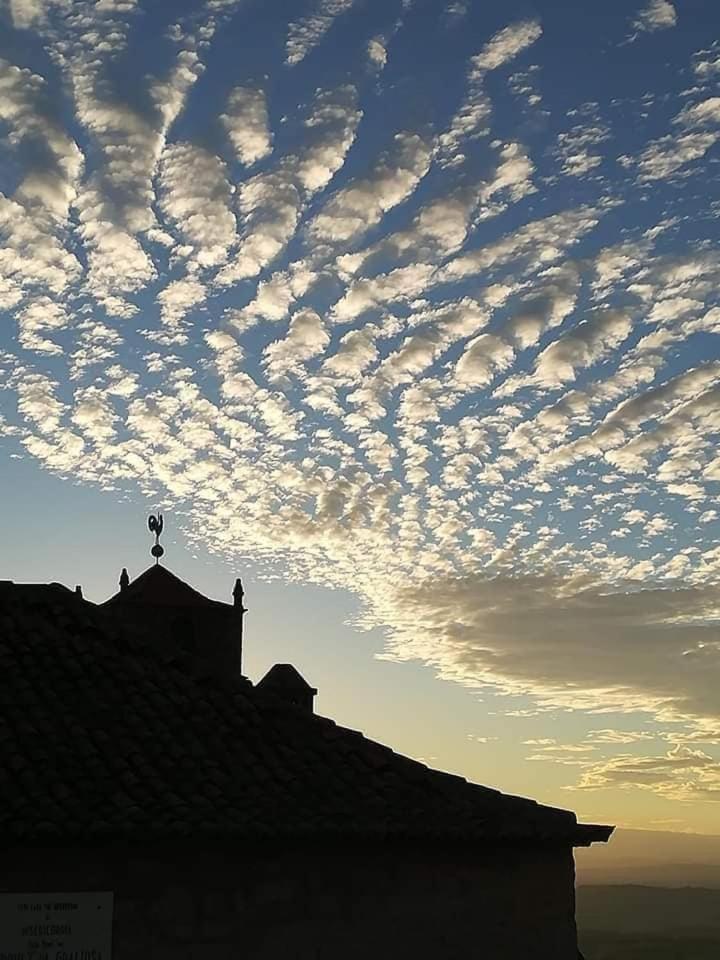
[[227, 819]]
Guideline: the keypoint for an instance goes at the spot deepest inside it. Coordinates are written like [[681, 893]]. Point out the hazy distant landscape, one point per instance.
[[650, 895], [608, 946], [623, 922], [652, 858]]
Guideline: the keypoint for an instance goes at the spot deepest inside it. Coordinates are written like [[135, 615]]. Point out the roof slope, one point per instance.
[[158, 587], [101, 738]]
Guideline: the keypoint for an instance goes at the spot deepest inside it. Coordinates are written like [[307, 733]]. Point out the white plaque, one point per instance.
[[56, 926]]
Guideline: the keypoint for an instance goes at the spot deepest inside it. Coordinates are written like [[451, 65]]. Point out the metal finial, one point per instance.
[[155, 524]]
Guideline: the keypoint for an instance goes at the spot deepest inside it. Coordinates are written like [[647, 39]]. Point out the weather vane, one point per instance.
[[155, 523]]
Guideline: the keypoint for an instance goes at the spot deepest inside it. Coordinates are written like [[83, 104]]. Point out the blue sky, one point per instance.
[[409, 310]]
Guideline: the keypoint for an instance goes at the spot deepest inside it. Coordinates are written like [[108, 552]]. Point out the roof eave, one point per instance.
[[587, 833]]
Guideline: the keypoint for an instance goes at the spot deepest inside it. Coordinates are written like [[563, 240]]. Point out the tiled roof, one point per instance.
[[103, 737]]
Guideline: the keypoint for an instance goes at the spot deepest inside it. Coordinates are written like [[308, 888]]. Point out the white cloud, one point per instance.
[[456, 10], [541, 242], [587, 343], [707, 62], [377, 53], [196, 198], [304, 35], [331, 130], [402, 284], [38, 318], [506, 45], [657, 15], [247, 125], [576, 148], [360, 205], [482, 359], [441, 225], [51, 183], [28, 13], [667, 155], [470, 119], [271, 203], [177, 298], [701, 114], [544, 306], [306, 338], [32, 257]]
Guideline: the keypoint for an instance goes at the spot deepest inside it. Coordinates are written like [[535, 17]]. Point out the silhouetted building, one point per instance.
[[229, 820]]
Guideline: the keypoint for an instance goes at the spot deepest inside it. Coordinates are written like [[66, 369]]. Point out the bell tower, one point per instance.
[[171, 616]]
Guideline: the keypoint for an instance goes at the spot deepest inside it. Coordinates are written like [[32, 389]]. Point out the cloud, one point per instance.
[[544, 306], [350, 212], [28, 13], [246, 122], [442, 224], [38, 318], [177, 298], [115, 204], [578, 645], [575, 148], [707, 62], [540, 242], [608, 735], [482, 359], [50, 180], [471, 117], [506, 45], [664, 157], [628, 416], [680, 774], [589, 342], [33, 258], [196, 198], [377, 53], [402, 284], [657, 15], [455, 11], [305, 34], [271, 203], [306, 338]]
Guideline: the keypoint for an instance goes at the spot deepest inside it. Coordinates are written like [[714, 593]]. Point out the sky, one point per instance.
[[407, 312]]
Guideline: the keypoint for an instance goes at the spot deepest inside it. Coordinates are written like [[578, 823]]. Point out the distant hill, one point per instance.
[[649, 910], [618, 922], [652, 858], [618, 946]]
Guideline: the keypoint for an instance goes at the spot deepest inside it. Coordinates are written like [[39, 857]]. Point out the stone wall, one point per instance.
[[189, 904]]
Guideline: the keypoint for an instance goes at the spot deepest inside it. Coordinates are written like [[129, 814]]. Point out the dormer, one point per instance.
[[285, 683]]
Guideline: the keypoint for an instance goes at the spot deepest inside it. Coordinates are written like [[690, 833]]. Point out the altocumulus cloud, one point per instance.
[[463, 368]]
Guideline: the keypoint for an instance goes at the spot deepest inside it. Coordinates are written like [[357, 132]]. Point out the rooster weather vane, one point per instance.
[[155, 524]]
